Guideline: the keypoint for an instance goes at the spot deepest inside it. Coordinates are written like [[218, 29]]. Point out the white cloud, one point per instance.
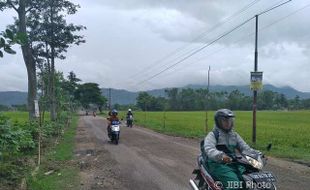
[[13, 73], [128, 42], [169, 23]]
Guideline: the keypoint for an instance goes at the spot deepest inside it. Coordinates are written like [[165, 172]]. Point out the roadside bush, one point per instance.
[[19, 142], [13, 138], [14, 141], [49, 129], [10, 173], [63, 117]]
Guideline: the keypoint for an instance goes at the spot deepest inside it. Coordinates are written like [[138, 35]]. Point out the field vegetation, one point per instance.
[[19, 147], [288, 131]]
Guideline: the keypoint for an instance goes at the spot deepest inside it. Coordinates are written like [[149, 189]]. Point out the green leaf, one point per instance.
[[21, 38], [2, 42], [1, 54], [9, 50], [9, 34]]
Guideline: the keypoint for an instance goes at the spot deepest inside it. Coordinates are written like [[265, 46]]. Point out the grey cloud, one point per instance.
[[211, 13], [125, 37]]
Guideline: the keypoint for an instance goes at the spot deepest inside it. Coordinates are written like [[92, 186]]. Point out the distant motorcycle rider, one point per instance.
[[220, 163], [113, 117], [129, 118]]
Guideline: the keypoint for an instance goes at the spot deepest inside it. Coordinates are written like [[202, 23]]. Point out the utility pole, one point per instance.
[[207, 99], [164, 119], [145, 112], [110, 99], [255, 88]]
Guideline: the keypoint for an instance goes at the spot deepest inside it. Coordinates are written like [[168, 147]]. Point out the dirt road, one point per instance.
[[148, 160]]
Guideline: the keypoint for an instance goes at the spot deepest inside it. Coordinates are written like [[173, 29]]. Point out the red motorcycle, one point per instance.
[[254, 177]]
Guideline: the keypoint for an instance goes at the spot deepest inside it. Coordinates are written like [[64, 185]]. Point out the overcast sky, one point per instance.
[[129, 43]]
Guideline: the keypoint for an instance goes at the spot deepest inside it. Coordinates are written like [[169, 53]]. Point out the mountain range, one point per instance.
[[124, 97], [13, 98]]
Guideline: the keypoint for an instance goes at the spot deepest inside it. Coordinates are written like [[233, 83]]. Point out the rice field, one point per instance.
[[288, 131]]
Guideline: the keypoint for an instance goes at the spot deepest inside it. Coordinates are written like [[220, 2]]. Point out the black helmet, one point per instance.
[[114, 112], [223, 114]]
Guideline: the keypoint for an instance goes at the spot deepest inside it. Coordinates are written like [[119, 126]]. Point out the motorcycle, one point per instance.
[[254, 178], [129, 121], [115, 132]]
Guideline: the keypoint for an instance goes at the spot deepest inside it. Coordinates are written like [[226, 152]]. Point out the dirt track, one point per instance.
[[148, 160]]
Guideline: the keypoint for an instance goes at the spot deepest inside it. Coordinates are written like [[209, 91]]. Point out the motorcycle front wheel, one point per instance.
[[116, 139]]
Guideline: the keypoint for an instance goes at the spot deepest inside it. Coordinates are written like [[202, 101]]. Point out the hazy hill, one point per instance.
[[120, 96], [127, 97], [13, 98], [289, 92]]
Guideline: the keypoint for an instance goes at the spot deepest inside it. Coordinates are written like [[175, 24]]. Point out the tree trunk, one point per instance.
[[29, 62], [53, 94], [53, 103]]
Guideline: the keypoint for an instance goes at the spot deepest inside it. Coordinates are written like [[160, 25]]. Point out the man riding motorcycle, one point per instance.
[[113, 117], [129, 118], [219, 164]]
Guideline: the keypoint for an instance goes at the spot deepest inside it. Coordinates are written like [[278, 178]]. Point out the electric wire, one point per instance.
[[203, 47], [201, 36], [196, 51], [251, 34]]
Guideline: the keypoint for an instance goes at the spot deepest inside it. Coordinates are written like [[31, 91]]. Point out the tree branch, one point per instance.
[[12, 5], [29, 9], [32, 5]]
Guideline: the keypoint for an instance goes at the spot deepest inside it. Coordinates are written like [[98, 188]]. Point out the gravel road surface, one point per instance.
[[144, 159]]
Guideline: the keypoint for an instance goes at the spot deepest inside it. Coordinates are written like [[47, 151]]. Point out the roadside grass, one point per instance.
[[63, 179], [288, 131], [58, 159]]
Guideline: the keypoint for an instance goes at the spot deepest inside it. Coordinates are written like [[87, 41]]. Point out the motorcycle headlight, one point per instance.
[[255, 163]]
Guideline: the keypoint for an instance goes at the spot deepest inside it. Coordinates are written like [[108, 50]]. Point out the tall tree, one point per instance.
[[144, 101], [50, 36], [173, 98], [187, 99], [71, 84], [201, 100], [296, 103], [266, 100], [280, 101], [22, 8], [54, 36], [90, 93], [234, 99]]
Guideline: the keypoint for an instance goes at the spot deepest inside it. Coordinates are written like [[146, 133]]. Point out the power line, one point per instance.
[[273, 7], [201, 36], [261, 29], [196, 51], [200, 49], [282, 18]]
